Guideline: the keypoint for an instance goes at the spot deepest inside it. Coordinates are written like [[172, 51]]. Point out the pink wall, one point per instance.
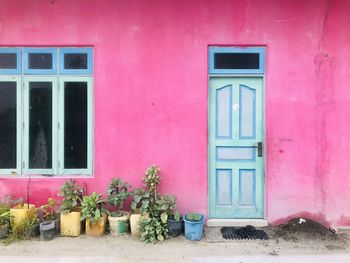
[[151, 92]]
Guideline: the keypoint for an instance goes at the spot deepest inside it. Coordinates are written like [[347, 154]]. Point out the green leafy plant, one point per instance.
[[118, 192], [4, 214], [49, 209], [193, 217], [72, 194], [158, 207], [141, 201], [93, 208]]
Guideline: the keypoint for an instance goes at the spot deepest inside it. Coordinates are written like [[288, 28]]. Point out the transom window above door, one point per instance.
[[46, 108], [236, 60]]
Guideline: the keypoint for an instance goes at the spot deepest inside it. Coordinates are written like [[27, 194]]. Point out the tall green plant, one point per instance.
[[93, 208], [118, 192], [72, 194]]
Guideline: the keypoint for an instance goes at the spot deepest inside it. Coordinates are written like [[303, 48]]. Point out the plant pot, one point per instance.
[[20, 213], [47, 230], [57, 226], [4, 230], [97, 229], [71, 224], [175, 228], [119, 225], [134, 221], [34, 230], [194, 230]]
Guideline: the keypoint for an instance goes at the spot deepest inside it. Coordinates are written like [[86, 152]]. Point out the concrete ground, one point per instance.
[[129, 249]]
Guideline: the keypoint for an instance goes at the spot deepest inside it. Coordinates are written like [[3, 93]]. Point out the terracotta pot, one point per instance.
[[98, 228], [119, 225], [71, 224]]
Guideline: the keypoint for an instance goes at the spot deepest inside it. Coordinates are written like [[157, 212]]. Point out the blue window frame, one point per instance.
[[236, 60], [47, 57], [12, 69], [82, 58], [46, 132]]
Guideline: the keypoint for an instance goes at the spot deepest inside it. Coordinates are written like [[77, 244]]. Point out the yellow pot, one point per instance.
[[71, 224], [20, 213], [98, 229]]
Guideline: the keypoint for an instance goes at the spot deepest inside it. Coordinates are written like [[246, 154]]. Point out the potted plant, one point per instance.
[[49, 227], [175, 224], [72, 194], [22, 211], [194, 226], [117, 194], [139, 209], [34, 225], [95, 213], [4, 221], [154, 227]]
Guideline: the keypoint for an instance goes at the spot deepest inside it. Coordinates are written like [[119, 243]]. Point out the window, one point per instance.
[[46, 112], [234, 60]]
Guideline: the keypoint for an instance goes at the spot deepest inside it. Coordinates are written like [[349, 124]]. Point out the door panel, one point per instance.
[[235, 128]]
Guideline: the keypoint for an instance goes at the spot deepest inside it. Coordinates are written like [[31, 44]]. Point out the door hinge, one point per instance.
[[23, 164], [59, 125]]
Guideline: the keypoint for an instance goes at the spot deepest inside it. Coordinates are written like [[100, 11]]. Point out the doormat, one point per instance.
[[247, 232]]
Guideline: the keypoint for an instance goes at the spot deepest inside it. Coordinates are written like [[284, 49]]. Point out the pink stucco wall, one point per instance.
[[151, 92]]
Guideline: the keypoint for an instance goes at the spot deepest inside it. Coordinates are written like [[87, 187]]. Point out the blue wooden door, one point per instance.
[[236, 178]]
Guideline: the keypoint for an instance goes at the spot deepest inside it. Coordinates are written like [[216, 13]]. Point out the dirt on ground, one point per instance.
[[292, 238]]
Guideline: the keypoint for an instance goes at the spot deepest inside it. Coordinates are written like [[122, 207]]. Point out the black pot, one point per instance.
[[175, 228], [4, 230], [47, 230], [34, 230], [57, 226]]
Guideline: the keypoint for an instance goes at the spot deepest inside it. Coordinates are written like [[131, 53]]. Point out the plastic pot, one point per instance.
[[57, 226], [71, 224], [20, 213], [4, 230], [175, 228], [134, 221], [47, 230], [34, 230], [96, 229], [194, 230], [119, 225]]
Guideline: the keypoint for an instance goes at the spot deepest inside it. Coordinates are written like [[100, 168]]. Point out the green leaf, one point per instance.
[[164, 217]]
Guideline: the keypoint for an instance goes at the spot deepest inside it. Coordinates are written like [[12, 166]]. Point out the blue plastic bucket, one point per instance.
[[194, 230]]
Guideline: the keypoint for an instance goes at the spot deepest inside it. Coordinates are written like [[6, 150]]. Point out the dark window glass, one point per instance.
[[8, 125], [40, 125], [8, 60], [75, 125], [40, 61], [236, 61], [75, 61]]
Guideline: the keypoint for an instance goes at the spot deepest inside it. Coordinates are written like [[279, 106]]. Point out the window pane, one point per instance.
[[40, 61], [8, 125], [75, 125], [40, 125], [236, 61], [75, 61], [8, 60]]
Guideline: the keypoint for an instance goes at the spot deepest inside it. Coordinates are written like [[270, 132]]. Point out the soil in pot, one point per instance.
[[119, 223], [4, 230], [175, 228], [47, 230]]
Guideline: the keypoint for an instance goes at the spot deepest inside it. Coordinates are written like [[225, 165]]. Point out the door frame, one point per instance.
[[264, 163]]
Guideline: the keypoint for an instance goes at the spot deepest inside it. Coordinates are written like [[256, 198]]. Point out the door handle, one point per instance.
[[260, 149]]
